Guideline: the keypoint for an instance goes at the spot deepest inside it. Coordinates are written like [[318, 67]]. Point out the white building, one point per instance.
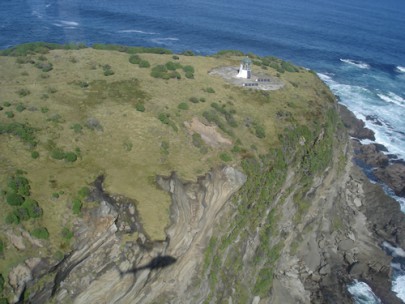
[[245, 70]]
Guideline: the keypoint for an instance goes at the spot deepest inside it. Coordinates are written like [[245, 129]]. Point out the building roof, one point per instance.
[[246, 60]]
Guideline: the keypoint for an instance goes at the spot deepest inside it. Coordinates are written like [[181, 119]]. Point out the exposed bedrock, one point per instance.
[[115, 262]]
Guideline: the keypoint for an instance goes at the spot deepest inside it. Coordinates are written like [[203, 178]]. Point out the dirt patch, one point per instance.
[[229, 74], [209, 134]]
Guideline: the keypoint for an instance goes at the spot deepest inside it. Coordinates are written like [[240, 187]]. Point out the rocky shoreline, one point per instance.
[[387, 169]]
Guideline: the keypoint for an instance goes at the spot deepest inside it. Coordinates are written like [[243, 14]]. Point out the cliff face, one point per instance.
[[100, 270]]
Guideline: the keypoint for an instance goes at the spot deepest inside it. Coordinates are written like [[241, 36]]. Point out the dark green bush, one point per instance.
[[188, 68], [197, 140], [259, 131], [44, 110], [229, 53], [9, 114], [189, 75], [34, 154], [193, 99], [23, 131], [210, 90], [144, 64], [58, 154], [19, 184], [140, 107], [20, 107], [23, 92], [159, 71], [70, 157], [1, 253], [14, 199], [6, 104], [107, 71], [134, 59], [12, 218], [22, 213], [40, 233], [84, 192], [225, 157], [188, 53], [175, 57], [172, 66], [44, 66], [66, 233], [34, 211], [77, 128], [1, 276], [183, 106], [76, 206], [164, 118]]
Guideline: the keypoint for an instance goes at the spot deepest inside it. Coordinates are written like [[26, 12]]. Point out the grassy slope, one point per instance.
[[128, 150]]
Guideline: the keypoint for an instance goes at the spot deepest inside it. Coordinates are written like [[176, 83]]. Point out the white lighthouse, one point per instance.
[[245, 69]]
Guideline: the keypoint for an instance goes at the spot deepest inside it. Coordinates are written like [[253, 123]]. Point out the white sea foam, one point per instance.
[[393, 98], [401, 69], [394, 251], [359, 64], [137, 32], [37, 14], [362, 293], [69, 23], [398, 286], [66, 24], [164, 40]]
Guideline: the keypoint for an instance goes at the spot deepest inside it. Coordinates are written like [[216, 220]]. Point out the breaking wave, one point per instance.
[[359, 64], [66, 24], [401, 69], [362, 293], [137, 32], [393, 98]]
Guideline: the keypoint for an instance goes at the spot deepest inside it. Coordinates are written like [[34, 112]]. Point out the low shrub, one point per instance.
[[40, 233], [77, 128], [12, 218], [197, 140], [144, 64], [70, 157], [9, 114], [175, 57], [193, 99], [22, 213], [140, 107], [164, 118], [84, 192], [76, 206], [183, 106], [1, 253], [189, 75], [20, 107], [107, 71], [188, 53], [6, 104], [58, 154], [66, 233], [225, 157], [210, 90], [34, 154], [134, 59], [14, 199]]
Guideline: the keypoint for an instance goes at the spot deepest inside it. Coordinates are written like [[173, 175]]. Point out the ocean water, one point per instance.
[[356, 46]]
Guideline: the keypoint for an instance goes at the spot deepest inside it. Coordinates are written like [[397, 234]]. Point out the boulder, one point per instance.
[[394, 176]]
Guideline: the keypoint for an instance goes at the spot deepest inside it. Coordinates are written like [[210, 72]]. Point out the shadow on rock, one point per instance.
[[161, 261]]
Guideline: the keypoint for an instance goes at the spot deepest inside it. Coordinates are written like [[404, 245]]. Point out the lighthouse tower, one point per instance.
[[245, 69]]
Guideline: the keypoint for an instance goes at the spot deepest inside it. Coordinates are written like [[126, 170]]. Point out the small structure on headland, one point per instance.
[[245, 70], [244, 77]]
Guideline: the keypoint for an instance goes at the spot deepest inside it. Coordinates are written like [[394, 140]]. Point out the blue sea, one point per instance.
[[357, 47]]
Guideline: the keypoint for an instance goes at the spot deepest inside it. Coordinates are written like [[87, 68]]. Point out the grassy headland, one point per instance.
[[69, 115]]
